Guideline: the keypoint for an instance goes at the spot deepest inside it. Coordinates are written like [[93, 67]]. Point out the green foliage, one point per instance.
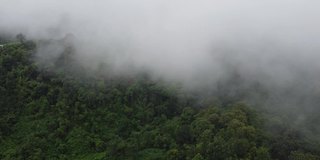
[[297, 155], [59, 115]]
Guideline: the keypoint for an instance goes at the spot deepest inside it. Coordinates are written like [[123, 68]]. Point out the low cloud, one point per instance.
[[272, 43]]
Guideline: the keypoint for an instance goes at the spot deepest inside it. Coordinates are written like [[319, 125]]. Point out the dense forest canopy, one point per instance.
[[160, 79], [58, 111]]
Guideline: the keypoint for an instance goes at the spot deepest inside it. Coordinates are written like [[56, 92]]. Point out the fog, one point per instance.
[[272, 43]]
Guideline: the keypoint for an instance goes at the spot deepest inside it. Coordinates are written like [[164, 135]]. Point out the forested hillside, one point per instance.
[[57, 114]]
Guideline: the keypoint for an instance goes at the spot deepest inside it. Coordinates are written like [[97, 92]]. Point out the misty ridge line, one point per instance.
[[264, 53], [199, 44]]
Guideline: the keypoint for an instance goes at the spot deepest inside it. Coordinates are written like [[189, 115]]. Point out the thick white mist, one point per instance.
[[199, 43], [194, 42]]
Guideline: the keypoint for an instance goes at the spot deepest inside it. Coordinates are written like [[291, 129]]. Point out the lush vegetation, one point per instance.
[[49, 114]]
